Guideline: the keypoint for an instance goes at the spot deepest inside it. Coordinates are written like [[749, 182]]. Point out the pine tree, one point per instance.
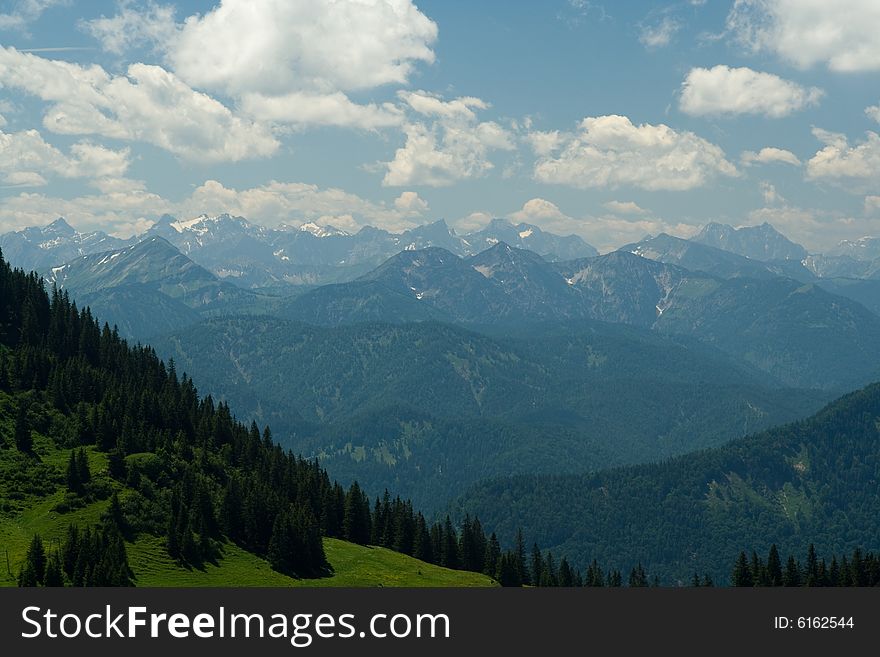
[[23, 440], [54, 577], [74, 485], [615, 579], [595, 577], [519, 553], [812, 569], [774, 567], [493, 554], [537, 565], [742, 574], [792, 574], [36, 558], [638, 577]]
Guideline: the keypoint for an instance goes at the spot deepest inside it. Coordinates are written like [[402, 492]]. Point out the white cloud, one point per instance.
[[853, 166], [606, 233], [154, 24], [545, 143], [872, 204], [660, 34], [334, 109], [873, 112], [148, 104], [307, 45], [771, 196], [610, 152], [24, 179], [473, 221], [121, 214], [840, 34], [723, 90], [124, 204], [410, 203], [818, 230], [625, 207], [26, 159], [26, 11], [290, 62], [295, 62], [455, 146], [768, 155]]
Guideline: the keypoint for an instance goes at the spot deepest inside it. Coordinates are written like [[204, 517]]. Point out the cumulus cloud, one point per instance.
[[148, 104], [769, 155], [873, 112], [455, 145], [411, 204], [723, 90], [818, 230], [335, 109], [842, 35], [24, 12], [610, 152], [26, 159], [660, 34], [296, 62], [855, 166], [133, 26], [771, 196], [625, 207], [605, 232], [125, 204]]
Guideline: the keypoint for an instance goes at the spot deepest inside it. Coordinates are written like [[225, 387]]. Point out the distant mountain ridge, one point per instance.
[[798, 332], [762, 242], [37, 248], [253, 256]]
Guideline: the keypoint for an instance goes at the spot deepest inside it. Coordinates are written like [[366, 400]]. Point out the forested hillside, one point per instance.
[[814, 481], [108, 452], [427, 409]]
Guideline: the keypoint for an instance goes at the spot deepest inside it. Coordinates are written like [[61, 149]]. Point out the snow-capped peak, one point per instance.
[[320, 231]]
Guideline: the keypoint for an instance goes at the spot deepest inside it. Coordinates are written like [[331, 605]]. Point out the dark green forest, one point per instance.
[[813, 481], [429, 409]]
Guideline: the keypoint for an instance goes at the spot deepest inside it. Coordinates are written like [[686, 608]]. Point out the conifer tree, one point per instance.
[[792, 575], [23, 440], [774, 567], [54, 577], [36, 558], [742, 573]]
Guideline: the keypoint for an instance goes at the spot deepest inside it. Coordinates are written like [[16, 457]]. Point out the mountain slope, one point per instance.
[[799, 333], [699, 257], [105, 448], [147, 288], [762, 242], [811, 482], [427, 409], [529, 237]]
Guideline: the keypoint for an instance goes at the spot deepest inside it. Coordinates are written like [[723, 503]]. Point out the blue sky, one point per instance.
[[606, 119]]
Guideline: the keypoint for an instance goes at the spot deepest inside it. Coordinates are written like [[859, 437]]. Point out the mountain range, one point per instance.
[[252, 256], [428, 409]]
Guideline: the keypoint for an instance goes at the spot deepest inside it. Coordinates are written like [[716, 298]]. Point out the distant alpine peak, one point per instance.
[[60, 226], [321, 231], [761, 242]]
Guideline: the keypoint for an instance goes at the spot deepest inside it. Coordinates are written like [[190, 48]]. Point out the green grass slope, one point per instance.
[[32, 489]]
